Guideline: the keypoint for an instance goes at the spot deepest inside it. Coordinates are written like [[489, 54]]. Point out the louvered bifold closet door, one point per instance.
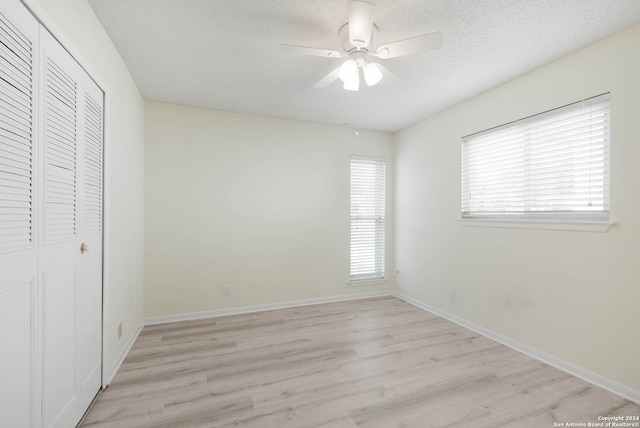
[[18, 216], [51, 148], [90, 231], [71, 254], [59, 260]]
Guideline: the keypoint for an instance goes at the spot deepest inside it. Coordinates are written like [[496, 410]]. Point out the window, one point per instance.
[[367, 218], [549, 167]]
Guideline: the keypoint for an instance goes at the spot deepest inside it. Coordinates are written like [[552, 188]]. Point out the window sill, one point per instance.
[[367, 281], [540, 224]]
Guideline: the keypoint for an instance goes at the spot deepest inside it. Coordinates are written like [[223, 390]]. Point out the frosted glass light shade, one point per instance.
[[348, 70], [372, 74], [353, 84]]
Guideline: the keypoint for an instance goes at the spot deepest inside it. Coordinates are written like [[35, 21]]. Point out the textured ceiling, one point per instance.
[[224, 54]]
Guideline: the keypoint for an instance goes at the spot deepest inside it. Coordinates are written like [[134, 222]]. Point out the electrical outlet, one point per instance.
[[119, 329], [453, 296], [226, 290]]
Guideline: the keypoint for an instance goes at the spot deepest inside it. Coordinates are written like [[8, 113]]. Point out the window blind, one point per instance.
[[554, 165], [367, 218]]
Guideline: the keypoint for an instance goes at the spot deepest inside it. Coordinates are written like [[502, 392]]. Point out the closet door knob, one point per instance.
[[84, 248]]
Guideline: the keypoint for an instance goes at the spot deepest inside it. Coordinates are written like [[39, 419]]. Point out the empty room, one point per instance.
[[319, 213]]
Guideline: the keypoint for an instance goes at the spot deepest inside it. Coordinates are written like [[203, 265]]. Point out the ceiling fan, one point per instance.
[[357, 37]]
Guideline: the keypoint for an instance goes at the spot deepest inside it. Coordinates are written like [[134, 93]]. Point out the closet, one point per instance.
[[51, 170]]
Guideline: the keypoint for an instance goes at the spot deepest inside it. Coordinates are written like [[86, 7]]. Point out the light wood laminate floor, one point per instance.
[[364, 363]]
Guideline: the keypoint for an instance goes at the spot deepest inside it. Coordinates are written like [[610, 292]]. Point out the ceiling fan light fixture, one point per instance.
[[353, 83], [348, 70], [372, 74], [358, 37]]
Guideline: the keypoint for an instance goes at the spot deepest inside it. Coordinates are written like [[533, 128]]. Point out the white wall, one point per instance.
[[74, 23], [574, 295], [257, 203]]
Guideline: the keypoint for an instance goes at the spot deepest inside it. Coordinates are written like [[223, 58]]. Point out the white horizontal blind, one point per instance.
[[16, 139], [553, 165], [367, 218]]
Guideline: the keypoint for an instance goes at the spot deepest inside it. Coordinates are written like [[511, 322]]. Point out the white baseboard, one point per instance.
[[266, 307], [112, 372], [577, 371]]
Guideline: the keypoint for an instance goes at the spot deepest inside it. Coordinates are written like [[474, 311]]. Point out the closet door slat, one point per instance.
[[60, 155], [16, 139]]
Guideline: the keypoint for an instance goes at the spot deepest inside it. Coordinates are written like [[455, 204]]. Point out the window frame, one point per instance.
[[578, 220]]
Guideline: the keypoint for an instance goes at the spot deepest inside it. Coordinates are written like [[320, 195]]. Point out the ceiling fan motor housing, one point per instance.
[[343, 34]]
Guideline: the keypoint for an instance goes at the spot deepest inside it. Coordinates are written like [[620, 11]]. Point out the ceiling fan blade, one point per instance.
[[328, 79], [305, 50], [360, 23], [424, 43]]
